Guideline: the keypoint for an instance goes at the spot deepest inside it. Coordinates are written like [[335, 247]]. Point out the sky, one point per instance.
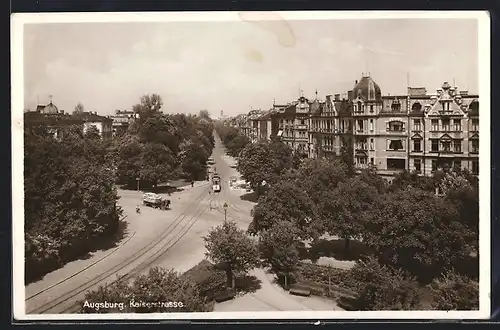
[[240, 65]]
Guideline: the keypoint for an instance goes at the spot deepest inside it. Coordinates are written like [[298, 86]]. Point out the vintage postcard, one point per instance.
[[251, 165]]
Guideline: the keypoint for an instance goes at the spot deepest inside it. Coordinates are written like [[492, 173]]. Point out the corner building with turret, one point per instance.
[[415, 132]]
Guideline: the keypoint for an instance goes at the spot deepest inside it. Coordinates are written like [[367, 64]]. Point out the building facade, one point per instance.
[[416, 132], [121, 121]]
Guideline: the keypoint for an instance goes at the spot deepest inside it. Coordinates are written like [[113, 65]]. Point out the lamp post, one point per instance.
[[225, 212], [138, 183]]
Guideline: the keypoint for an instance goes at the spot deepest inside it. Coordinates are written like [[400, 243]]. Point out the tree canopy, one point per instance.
[[69, 194], [230, 247], [149, 294]]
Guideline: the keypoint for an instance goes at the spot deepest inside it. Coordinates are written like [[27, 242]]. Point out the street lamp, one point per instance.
[[138, 181], [225, 212]]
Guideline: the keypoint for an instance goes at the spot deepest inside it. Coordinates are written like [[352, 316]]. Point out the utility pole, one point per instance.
[[225, 212]]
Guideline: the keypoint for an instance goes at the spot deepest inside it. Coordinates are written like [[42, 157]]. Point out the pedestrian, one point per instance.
[[192, 184]]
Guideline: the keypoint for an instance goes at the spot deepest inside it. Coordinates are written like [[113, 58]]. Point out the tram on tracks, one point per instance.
[[216, 184]]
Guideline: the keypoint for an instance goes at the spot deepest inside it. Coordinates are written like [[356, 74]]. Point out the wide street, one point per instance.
[[171, 239]]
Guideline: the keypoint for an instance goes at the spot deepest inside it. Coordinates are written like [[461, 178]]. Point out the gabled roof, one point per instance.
[[37, 118], [91, 117]]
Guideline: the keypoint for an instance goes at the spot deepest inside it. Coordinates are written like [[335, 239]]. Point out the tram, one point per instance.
[[216, 186]]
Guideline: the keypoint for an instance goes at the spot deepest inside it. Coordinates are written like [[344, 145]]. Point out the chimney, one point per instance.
[[328, 98], [355, 82], [337, 97], [463, 93], [349, 95]]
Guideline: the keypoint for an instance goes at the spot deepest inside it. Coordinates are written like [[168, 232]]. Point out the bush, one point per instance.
[[149, 294], [381, 287], [321, 274], [208, 279], [454, 292]]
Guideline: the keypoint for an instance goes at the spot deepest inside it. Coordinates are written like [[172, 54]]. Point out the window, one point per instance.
[[446, 125], [434, 125], [475, 124], [434, 165], [302, 122], [434, 145], [474, 146], [416, 125], [417, 163], [372, 145], [396, 145], [457, 146], [372, 161], [395, 126], [360, 125], [446, 146], [396, 164], [417, 145], [457, 164], [371, 124], [371, 108], [475, 167], [457, 125]]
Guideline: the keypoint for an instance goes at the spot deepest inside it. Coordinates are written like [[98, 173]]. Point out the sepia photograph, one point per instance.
[[251, 165]]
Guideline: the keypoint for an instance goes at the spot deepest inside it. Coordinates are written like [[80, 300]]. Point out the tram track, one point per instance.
[[64, 298], [149, 262]]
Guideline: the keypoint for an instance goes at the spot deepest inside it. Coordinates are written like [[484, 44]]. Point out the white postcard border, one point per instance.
[[17, 89]]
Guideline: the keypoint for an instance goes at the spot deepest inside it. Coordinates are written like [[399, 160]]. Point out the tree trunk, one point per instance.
[[230, 279], [347, 245]]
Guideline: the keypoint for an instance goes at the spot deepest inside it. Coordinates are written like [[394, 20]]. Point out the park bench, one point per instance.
[[300, 290]]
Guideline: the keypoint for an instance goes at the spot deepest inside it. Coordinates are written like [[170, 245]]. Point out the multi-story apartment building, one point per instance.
[[415, 132]]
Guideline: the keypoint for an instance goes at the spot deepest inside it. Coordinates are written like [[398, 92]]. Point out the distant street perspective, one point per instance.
[[353, 199]]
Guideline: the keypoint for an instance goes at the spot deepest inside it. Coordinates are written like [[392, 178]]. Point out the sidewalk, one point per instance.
[[272, 297]]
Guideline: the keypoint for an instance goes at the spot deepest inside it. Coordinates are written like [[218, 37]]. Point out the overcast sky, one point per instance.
[[235, 66]]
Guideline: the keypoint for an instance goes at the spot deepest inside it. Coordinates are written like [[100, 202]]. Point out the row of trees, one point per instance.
[[70, 194], [418, 228], [160, 147], [234, 140], [70, 198]]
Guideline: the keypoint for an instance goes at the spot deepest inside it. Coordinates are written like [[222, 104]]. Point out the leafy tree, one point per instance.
[[236, 145], [263, 161], [229, 246], [408, 179], [417, 231], [286, 202], [92, 133], [278, 247], [78, 109], [455, 292], [70, 197], [158, 164], [348, 208], [158, 286], [318, 177], [193, 158], [148, 107], [372, 178], [380, 287], [204, 114], [347, 153]]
